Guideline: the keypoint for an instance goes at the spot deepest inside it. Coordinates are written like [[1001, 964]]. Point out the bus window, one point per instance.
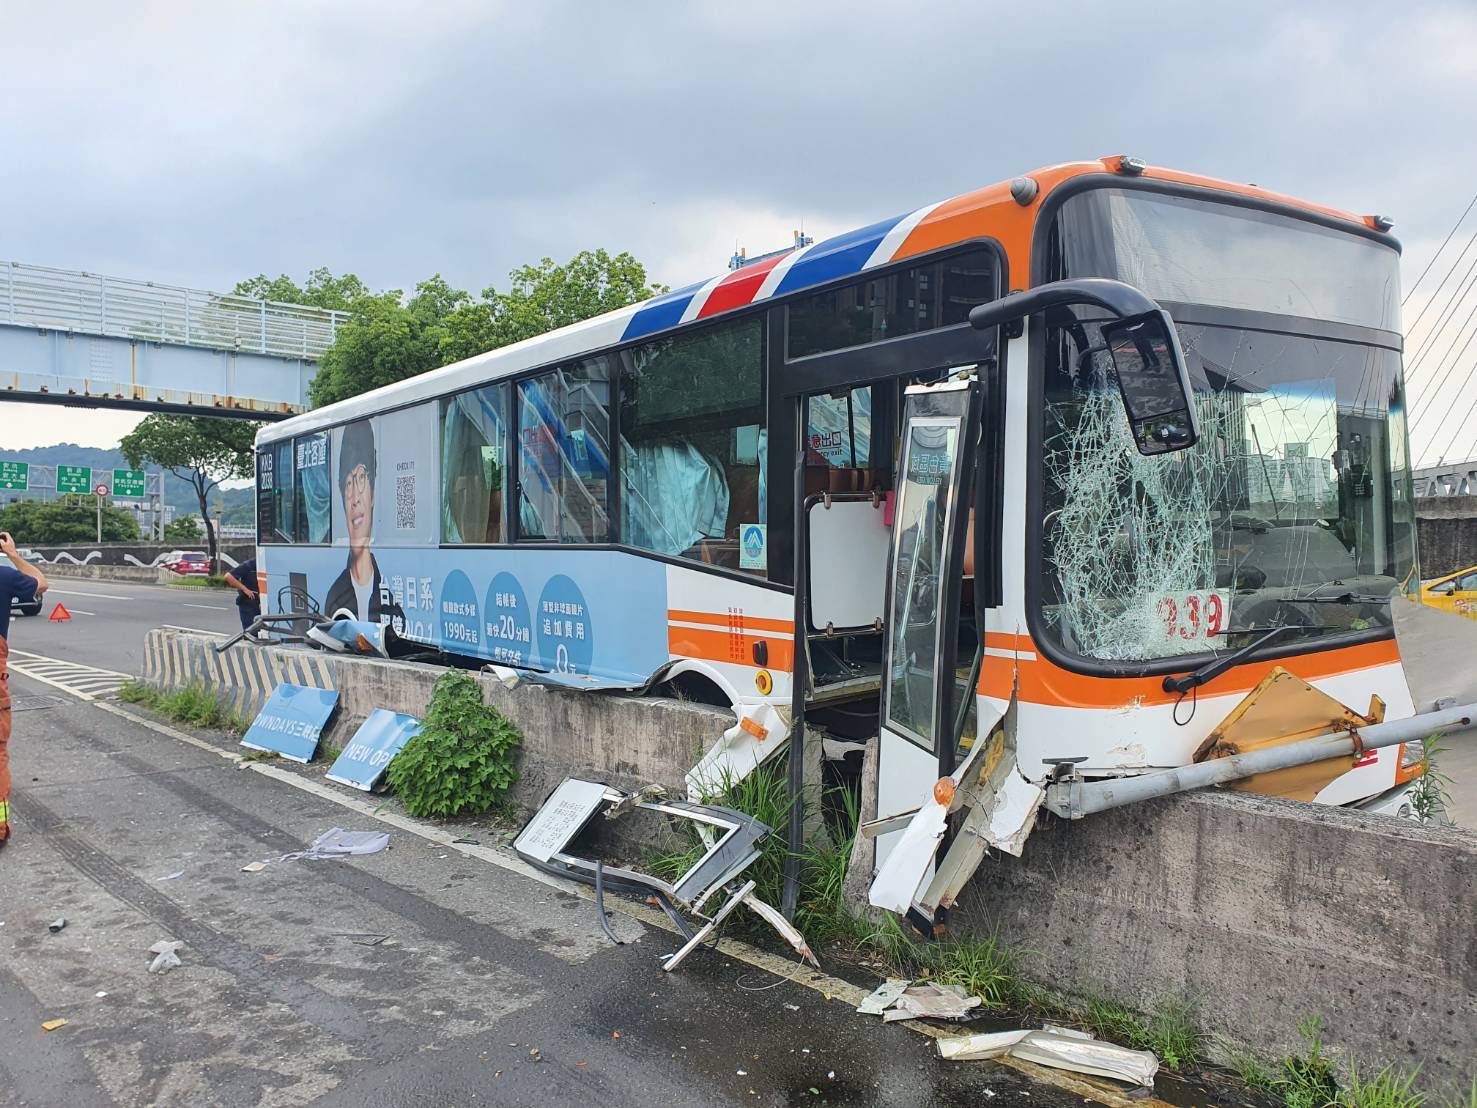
[[904, 302], [839, 429], [474, 453], [564, 454], [312, 509], [692, 446], [274, 488]]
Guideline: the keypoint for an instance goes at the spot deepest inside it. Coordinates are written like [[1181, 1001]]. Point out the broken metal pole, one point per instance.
[[1077, 798]]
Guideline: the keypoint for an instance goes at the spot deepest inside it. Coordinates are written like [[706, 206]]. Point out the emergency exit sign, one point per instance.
[[15, 475], [74, 479], [128, 482]]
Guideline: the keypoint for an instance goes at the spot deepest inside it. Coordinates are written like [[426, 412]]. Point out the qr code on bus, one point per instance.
[[405, 502]]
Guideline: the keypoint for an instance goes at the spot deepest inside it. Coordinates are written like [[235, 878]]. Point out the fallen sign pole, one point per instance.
[[1075, 798]]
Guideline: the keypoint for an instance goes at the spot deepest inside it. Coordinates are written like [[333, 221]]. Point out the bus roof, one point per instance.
[[989, 211]]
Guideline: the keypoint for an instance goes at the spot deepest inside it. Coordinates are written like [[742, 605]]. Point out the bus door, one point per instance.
[[928, 633]]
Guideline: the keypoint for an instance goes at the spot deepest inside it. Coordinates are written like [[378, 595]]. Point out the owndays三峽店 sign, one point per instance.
[[291, 721]]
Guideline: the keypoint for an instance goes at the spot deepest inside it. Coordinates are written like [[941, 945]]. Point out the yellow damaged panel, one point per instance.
[[1284, 708]]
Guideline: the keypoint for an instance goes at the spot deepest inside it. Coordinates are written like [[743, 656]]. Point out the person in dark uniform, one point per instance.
[[248, 603], [359, 589], [24, 583]]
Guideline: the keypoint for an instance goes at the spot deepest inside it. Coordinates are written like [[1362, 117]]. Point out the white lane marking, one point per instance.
[[44, 659], [99, 595], [81, 612], [196, 630], [207, 607]]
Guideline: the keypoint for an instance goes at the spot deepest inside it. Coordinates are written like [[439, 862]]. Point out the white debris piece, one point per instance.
[[336, 842], [1059, 1047], [165, 958], [900, 999]]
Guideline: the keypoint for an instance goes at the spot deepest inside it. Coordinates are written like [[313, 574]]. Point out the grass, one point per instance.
[[1307, 1080], [200, 581], [1428, 796], [1170, 1032], [1389, 1088], [193, 705]]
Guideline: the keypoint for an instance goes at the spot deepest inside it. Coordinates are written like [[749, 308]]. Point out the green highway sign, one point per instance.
[[15, 475], [73, 478], [128, 482]]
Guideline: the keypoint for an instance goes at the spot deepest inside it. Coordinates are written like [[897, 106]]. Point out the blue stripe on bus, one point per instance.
[[661, 312], [836, 257]]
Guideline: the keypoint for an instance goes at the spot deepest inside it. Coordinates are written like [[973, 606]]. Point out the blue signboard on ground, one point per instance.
[[291, 721], [368, 754]]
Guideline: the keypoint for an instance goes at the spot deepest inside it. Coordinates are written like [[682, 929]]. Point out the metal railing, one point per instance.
[[89, 303]]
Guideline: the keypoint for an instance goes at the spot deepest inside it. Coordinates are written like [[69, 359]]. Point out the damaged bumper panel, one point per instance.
[[732, 839]]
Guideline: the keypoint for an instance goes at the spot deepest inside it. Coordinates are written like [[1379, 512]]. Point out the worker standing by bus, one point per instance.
[[24, 583]]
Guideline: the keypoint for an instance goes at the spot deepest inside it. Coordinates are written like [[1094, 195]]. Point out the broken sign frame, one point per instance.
[[732, 839]]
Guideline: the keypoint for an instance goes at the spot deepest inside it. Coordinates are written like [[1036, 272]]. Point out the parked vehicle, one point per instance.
[[189, 563], [31, 609], [1456, 592]]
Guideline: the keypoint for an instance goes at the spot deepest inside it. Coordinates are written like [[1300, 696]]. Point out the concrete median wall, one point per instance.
[[1260, 912], [622, 740], [1447, 533]]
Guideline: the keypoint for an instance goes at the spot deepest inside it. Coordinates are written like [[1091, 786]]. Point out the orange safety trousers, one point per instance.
[[4, 740]]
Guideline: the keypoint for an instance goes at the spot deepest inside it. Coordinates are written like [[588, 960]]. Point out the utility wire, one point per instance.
[[1471, 409], [1435, 296], [1411, 291], [1463, 286], [1428, 395]]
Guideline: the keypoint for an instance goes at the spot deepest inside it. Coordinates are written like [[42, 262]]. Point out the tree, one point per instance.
[[321, 290], [386, 341], [183, 529], [201, 450], [544, 297], [389, 338], [66, 522]]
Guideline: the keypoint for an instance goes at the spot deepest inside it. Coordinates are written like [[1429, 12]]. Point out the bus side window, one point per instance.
[[564, 454], [474, 454], [693, 443]]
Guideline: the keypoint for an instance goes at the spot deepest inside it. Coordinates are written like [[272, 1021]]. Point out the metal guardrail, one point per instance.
[[88, 303]]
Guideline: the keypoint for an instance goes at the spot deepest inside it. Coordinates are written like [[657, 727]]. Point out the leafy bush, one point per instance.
[[462, 761]]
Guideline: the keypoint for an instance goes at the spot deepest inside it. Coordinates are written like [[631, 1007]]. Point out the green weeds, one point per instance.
[[193, 706], [1429, 795]]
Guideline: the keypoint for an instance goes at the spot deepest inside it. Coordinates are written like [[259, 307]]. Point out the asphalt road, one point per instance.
[[109, 619], [419, 975]]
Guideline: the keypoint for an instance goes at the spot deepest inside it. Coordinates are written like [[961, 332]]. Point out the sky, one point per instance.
[[198, 144]]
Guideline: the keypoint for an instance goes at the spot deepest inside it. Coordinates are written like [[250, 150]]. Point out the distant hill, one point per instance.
[[177, 493]]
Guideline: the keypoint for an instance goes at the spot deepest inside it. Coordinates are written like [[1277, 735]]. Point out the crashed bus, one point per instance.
[[1081, 477]]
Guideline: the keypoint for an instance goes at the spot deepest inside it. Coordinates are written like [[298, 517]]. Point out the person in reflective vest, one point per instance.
[[23, 584]]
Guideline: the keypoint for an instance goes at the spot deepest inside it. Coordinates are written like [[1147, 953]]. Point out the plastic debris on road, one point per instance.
[[1059, 1047], [57, 924], [338, 843], [165, 958], [52, 1025], [901, 999]]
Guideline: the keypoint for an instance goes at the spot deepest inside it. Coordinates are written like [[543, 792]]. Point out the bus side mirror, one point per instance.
[[1154, 382], [1146, 354]]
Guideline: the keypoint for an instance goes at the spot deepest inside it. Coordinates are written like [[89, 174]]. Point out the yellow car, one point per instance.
[[1456, 592]]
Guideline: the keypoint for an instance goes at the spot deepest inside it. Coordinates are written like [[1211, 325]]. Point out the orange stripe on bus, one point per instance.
[[721, 646], [738, 621], [1042, 681]]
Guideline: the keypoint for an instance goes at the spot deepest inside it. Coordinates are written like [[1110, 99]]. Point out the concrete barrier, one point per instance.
[[1447, 533], [94, 571], [1260, 912], [130, 554], [622, 740]]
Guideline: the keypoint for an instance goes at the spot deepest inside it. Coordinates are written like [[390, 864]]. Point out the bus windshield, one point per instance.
[[1295, 507]]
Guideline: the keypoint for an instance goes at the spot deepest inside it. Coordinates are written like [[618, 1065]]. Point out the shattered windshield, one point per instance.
[[1294, 508]]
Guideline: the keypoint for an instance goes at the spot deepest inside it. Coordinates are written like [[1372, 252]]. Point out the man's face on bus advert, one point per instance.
[[359, 507]]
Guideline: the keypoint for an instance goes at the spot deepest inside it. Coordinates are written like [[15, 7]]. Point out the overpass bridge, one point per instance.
[[80, 338], [1456, 479]]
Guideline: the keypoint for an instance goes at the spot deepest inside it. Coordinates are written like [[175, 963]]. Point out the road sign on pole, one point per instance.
[[128, 482], [74, 479], [15, 475]]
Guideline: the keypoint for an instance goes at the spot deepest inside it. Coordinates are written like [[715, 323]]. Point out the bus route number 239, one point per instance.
[[1195, 615]]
